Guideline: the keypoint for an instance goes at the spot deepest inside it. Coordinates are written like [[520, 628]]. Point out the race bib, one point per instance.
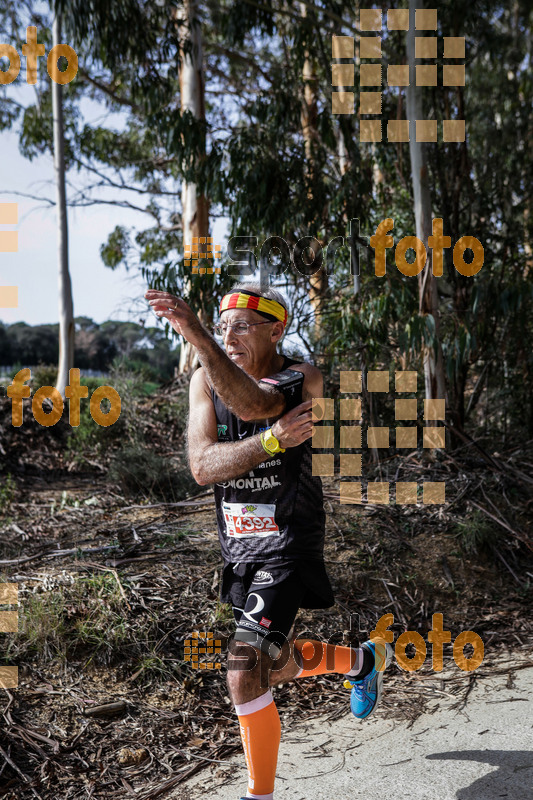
[[250, 519]]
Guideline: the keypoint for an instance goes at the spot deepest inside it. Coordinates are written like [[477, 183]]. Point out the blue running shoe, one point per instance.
[[367, 691]]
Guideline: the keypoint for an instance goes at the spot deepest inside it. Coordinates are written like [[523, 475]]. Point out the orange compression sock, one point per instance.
[[260, 733], [317, 658]]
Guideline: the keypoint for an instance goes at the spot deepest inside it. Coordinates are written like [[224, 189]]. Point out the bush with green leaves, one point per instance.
[[43, 375]]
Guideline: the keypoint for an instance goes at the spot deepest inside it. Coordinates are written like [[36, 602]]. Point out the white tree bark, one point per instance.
[[318, 282], [66, 311], [435, 385], [195, 209]]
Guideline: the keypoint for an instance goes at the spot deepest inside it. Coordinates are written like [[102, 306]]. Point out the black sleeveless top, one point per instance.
[[276, 510]]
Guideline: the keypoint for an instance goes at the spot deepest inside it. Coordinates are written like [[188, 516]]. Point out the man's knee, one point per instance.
[[242, 657], [247, 664], [286, 665], [283, 655]]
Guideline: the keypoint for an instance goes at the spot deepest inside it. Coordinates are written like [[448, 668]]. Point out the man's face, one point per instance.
[[251, 349]]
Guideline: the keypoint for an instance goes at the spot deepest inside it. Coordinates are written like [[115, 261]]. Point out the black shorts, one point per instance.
[[266, 597]]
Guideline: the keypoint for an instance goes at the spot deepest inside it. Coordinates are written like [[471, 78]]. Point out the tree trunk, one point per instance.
[[344, 164], [318, 283], [66, 311], [195, 206], [434, 379]]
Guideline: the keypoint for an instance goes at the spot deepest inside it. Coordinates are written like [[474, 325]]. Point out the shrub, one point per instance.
[[7, 491], [141, 471], [84, 617], [476, 534], [43, 375]]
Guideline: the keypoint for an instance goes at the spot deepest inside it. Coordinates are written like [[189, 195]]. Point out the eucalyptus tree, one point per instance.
[[270, 155], [18, 19], [194, 203], [66, 306], [427, 282], [147, 60], [482, 187]]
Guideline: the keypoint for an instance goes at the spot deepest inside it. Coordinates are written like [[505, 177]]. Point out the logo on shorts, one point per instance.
[[263, 577], [248, 509], [221, 430], [265, 622]]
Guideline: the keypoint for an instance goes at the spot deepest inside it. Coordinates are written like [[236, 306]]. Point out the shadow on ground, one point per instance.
[[513, 778]]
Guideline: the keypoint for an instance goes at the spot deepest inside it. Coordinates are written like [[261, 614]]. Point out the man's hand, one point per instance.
[[183, 320], [295, 426]]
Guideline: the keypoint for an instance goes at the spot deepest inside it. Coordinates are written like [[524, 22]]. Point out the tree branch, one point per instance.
[[106, 181], [107, 90], [233, 56], [31, 196]]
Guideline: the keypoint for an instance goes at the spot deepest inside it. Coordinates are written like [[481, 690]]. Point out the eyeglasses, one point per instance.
[[240, 328]]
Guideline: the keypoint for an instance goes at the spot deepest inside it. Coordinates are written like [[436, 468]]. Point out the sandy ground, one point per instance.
[[482, 752]]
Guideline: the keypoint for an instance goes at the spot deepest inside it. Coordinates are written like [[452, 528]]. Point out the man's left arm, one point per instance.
[[238, 391]]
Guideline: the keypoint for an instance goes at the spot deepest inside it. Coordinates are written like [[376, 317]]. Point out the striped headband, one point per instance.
[[270, 309]]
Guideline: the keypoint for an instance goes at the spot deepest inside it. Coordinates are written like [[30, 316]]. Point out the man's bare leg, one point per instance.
[[247, 675], [259, 723]]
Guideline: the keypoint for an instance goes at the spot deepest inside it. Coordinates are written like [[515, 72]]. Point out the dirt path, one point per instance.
[[483, 751], [88, 560]]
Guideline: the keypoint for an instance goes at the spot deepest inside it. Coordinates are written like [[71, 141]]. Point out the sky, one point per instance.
[[98, 292]]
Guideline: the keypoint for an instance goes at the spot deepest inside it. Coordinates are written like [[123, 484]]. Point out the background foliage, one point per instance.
[[266, 65]]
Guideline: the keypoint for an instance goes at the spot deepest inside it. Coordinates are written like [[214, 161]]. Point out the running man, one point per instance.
[[249, 433]]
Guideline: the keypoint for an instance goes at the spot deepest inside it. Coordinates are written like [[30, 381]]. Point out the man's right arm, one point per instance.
[[239, 392], [212, 461]]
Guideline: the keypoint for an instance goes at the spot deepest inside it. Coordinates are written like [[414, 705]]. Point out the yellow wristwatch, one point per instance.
[[270, 443]]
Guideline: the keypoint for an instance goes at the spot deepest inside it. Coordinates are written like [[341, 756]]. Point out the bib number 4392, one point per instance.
[[250, 520]]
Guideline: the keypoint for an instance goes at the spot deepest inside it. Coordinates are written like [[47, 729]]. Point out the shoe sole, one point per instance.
[[379, 661], [379, 680]]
